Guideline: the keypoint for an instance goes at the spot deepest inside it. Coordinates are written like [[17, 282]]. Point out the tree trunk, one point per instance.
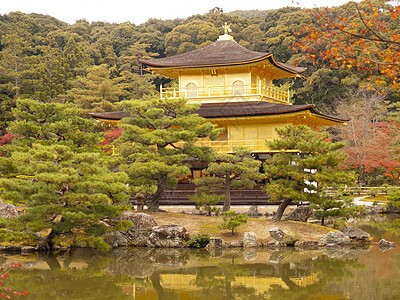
[[155, 199], [227, 201], [279, 213], [47, 243], [323, 221]]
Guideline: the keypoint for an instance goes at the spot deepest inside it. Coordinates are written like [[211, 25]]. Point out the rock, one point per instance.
[[27, 249], [10, 248], [117, 239], [393, 209], [300, 214], [375, 209], [385, 244], [8, 210], [253, 211], [141, 221], [356, 234], [306, 244], [216, 242], [249, 239], [334, 238], [234, 244], [141, 230], [168, 236], [275, 244], [280, 236]]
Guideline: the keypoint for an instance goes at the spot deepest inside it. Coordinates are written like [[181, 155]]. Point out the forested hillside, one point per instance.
[[95, 65], [45, 58]]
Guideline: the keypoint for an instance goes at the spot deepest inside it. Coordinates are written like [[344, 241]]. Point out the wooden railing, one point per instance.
[[229, 146], [226, 91]]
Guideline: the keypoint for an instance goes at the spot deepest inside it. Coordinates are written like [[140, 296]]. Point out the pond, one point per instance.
[[143, 273]]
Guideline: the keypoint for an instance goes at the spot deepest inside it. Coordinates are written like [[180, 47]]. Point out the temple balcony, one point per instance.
[[255, 146], [228, 93]]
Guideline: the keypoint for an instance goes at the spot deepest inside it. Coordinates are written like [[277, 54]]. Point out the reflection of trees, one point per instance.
[[324, 270], [94, 274], [388, 228], [85, 278]]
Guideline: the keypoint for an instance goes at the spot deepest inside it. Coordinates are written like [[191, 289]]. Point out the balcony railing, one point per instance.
[[229, 146], [227, 91]]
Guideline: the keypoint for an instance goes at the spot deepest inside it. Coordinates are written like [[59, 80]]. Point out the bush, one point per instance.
[[232, 220], [205, 201], [373, 192], [394, 197], [199, 240]]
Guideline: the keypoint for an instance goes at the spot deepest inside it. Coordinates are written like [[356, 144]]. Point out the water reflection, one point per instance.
[[141, 273]]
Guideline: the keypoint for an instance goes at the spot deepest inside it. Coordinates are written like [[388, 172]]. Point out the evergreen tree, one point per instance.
[[306, 164], [55, 169], [158, 141], [230, 171], [96, 91]]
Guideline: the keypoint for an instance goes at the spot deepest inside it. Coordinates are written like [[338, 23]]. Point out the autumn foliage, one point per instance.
[[364, 36], [6, 292]]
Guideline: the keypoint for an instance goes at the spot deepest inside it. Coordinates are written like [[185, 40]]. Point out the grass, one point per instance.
[[378, 198]]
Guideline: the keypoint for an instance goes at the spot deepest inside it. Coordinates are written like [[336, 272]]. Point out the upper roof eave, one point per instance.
[[214, 55]]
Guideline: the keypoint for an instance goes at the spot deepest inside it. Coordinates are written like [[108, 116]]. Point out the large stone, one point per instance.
[[356, 234], [10, 248], [8, 210], [141, 221], [280, 236], [334, 238], [141, 230], [249, 240], [216, 242], [385, 244], [168, 236], [253, 211], [300, 214], [117, 239], [275, 244], [306, 244]]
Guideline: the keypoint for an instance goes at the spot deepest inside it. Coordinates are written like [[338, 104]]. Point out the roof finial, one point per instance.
[[226, 36], [227, 28]]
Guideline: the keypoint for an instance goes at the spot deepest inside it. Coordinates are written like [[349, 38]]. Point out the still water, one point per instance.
[[340, 273]]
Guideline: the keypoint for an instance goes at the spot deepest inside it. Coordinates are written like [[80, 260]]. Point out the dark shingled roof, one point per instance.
[[234, 109], [253, 108], [111, 115], [219, 53]]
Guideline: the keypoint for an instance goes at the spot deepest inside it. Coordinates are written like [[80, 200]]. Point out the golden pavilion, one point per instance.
[[234, 87]]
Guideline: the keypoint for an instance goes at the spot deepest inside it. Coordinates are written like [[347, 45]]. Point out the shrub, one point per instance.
[[199, 240], [205, 201], [373, 192], [394, 197], [232, 220]]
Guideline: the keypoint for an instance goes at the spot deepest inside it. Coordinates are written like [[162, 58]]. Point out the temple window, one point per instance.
[[238, 87], [191, 90]]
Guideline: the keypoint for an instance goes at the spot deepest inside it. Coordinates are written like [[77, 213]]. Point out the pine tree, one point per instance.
[[96, 91], [230, 171], [55, 169], [158, 141], [307, 163]]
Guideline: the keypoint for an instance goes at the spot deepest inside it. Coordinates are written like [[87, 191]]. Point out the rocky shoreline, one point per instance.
[[145, 232]]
